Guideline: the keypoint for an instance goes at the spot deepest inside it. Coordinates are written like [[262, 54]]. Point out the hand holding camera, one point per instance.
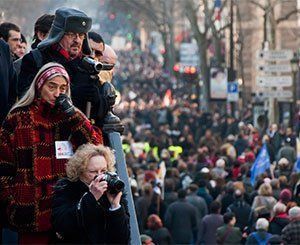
[[98, 187], [64, 102], [109, 183]]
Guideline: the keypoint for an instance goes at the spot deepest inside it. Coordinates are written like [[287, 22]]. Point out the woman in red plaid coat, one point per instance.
[[37, 136]]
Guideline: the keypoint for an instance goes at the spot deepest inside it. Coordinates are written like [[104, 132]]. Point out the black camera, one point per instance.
[[115, 184], [93, 67], [65, 103]]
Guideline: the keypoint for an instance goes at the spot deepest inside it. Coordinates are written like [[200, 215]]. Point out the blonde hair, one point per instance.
[[265, 190], [79, 161], [31, 93]]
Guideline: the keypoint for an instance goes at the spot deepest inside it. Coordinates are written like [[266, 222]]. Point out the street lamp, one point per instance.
[[295, 68]]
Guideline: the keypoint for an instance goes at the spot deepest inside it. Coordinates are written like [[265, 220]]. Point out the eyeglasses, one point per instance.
[[73, 35]]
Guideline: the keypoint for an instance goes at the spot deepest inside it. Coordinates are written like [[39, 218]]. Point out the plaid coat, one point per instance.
[[28, 164]]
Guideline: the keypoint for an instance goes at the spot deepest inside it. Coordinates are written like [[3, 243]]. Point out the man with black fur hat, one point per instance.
[[66, 44]]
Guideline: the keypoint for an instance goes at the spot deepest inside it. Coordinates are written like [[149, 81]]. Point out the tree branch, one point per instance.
[[287, 16], [258, 4]]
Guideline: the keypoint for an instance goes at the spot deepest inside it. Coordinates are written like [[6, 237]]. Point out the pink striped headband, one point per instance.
[[49, 73]]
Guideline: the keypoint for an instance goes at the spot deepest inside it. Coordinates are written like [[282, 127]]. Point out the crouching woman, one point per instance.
[[84, 209]]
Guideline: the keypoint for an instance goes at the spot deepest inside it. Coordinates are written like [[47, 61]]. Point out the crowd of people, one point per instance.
[[190, 171]]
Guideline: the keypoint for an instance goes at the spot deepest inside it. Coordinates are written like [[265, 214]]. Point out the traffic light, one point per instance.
[[187, 73]]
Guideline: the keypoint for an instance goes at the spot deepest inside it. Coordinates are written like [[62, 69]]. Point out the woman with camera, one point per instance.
[[38, 135], [88, 206]]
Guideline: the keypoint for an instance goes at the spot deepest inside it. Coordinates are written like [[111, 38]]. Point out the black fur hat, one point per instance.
[[68, 20]]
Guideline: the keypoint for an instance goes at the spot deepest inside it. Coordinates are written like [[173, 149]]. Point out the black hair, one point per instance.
[[95, 37], [5, 27], [23, 39], [215, 206], [228, 217], [43, 24], [181, 193]]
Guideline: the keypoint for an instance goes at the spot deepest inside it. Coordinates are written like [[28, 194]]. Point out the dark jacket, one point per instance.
[[208, 228], [79, 218], [228, 235], [278, 223], [181, 221], [8, 81], [242, 211], [160, 236]]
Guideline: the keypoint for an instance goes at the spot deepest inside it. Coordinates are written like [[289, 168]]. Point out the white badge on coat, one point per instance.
[[63, 149]]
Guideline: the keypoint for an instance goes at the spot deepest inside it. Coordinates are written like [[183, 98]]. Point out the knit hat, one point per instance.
[[50, 71], [285, 195], [294, 212], [68, 20]]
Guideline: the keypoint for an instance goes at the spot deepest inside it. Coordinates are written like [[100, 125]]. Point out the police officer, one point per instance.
[[66, 44]]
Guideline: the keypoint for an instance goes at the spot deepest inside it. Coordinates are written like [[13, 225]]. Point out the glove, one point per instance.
[[65, 103], [84, 88], [85, 92]]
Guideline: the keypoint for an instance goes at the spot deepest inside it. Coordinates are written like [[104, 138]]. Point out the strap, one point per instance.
[[226, 234]]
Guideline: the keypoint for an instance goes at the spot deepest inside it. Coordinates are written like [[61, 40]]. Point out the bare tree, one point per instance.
[[270, 19], [203, 31], [161, 14]]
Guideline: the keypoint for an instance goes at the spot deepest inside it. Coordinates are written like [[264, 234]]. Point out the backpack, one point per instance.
[[261, 241]]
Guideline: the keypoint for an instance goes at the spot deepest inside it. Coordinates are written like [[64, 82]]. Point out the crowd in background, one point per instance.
[[190, 170]]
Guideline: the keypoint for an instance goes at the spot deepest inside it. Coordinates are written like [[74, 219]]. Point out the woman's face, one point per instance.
[[52, 88], [97, 165]]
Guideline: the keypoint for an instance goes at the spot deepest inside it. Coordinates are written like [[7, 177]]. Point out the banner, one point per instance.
[[261, 164]]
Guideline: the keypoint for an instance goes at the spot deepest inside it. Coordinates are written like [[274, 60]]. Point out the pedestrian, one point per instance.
[[41, 29], [241, 209], [261, 235], [280, 219], [210, 223], [181, 220], [67, 44], [8, 81], [11, 34], [228, 234], [39, 133], [291, 232], [157, 231], [88, 207]]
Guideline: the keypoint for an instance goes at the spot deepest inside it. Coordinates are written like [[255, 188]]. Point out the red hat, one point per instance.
[[249, 156], [285, 195]]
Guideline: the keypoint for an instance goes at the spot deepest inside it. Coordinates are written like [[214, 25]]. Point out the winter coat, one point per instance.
[[208, 228], [28, 163], [8, 81], [278, 223], [79, 218], [224, 236], [242, 211], [181, 221]]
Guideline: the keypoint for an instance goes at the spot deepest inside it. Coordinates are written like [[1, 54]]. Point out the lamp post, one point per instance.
[[295, 69]]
